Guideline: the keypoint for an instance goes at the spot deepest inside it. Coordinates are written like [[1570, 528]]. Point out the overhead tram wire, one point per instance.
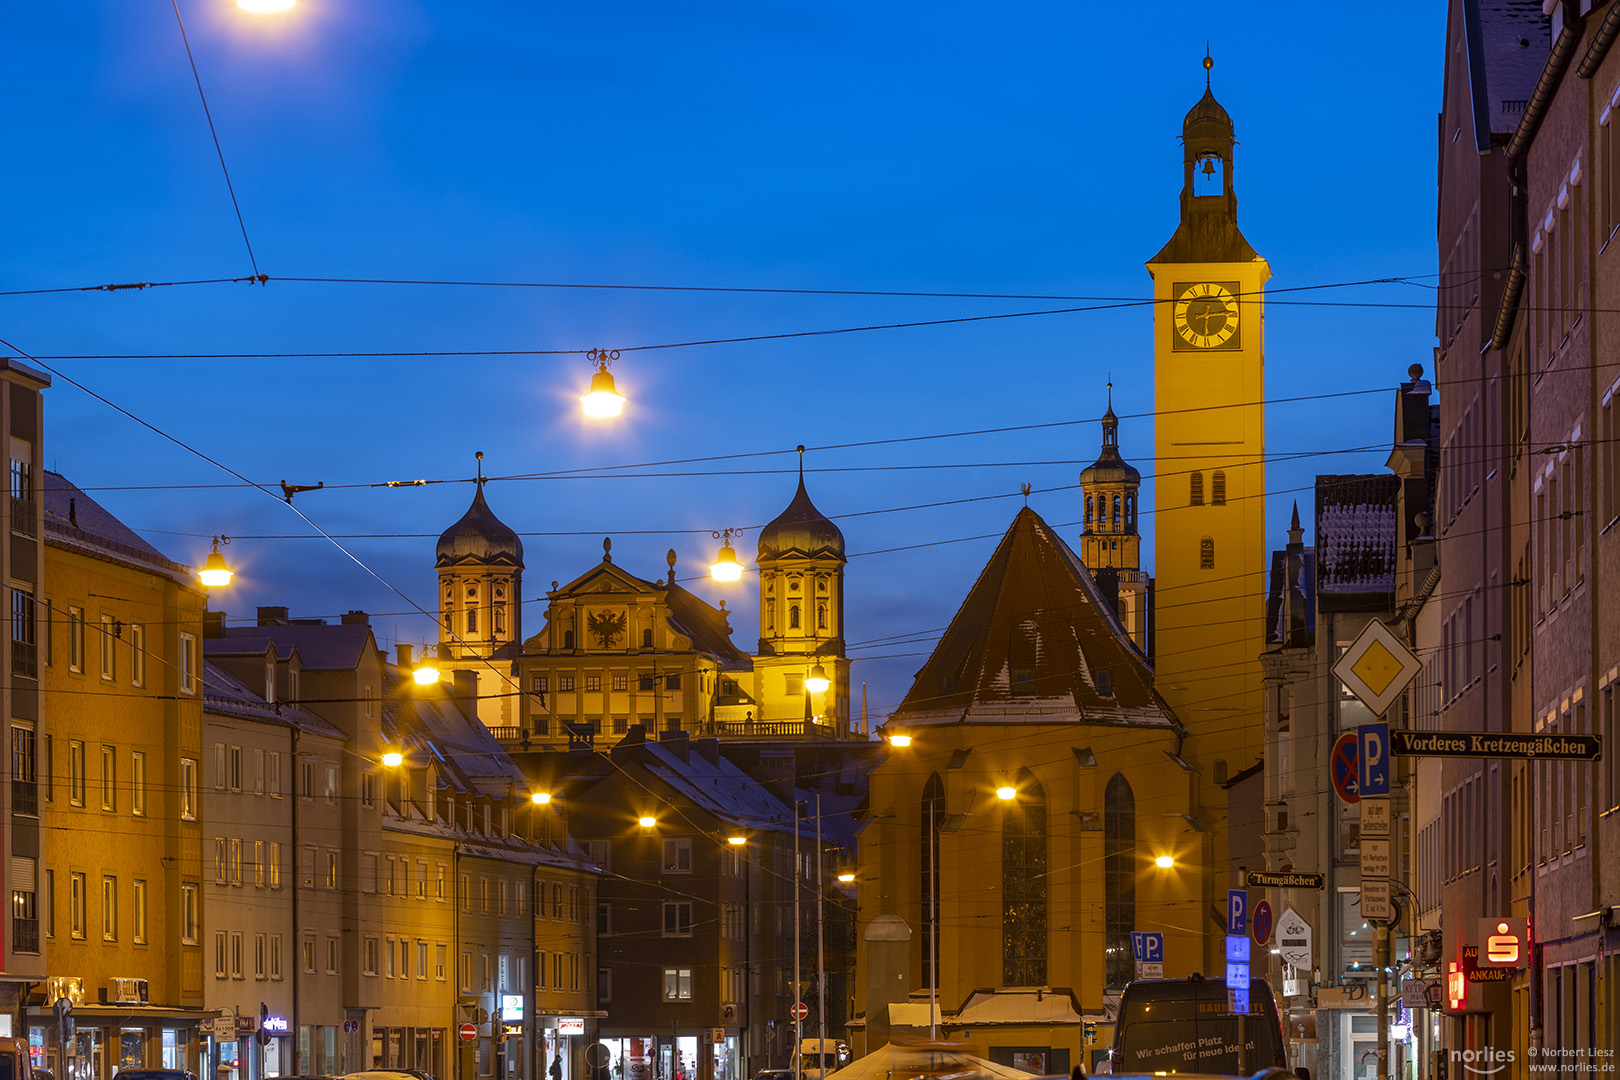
[[361, 563], [218, 150]]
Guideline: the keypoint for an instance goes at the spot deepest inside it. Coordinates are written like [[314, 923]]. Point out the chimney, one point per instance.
[[402, 656], [356, 618], [777, 766], [632, 747], [272, 616], [213, 624], [676, 742], [465, 692], [709, 749]]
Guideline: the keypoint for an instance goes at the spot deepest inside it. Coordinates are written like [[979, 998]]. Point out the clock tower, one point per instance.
[[1209, 486]]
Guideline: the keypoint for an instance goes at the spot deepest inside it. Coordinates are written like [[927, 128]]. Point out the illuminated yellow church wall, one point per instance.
[[1209, 485]]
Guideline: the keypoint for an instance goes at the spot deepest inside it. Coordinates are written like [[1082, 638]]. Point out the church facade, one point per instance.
[[617, 650]]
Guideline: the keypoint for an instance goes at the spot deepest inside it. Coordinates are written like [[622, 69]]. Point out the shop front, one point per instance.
[[421, 1048], [714, 1054], [102, 1040]]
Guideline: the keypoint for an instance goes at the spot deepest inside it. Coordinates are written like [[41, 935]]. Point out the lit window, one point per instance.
[[677, 984]]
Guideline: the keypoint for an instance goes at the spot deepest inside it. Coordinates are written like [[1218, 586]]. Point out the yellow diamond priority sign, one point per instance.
[[1377, 667]]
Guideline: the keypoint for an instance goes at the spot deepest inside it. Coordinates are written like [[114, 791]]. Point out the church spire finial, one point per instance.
[[800, 448], [1208, 64], [479, 455]]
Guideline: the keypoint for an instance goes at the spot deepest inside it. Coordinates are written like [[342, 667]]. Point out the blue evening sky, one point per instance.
[[967, 148]]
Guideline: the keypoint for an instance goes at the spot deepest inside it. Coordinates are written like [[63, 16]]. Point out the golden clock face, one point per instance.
[[1206, 316]]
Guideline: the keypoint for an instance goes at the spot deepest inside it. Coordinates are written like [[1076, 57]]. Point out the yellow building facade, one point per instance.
[[120, 795], [1209, 491]]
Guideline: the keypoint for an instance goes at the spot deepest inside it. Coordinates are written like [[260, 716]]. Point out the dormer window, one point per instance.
[[1217, 489], [1196, 489]]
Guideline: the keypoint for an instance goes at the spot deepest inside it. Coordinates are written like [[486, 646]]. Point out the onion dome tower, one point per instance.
[[480, 565], [801, 613]]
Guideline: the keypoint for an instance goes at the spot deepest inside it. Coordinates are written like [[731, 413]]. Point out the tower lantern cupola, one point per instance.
[[1110, 546]]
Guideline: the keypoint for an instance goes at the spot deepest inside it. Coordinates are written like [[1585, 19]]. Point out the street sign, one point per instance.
[[1377, 667], [1148, 945], [1150, 970], [1375, 815], [1237, 975], [1237, 949], [1261, 879], [1415, 993], [1372, 759], [1496, 744], [468, 1032], [1375, 858], [1262, 923], [1294, 939], [1346, 776], [799, 1011], [1375, 904], [1237, 911]]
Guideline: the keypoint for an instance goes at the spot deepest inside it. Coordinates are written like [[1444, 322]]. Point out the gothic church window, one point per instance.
[[1217, 489], [1088, 509], [1119, 879], [1023, 890], [1196, 485], [793, 616], [1116, 510]]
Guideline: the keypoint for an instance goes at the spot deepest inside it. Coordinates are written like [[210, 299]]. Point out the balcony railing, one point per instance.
[[24, 797], [22, 516], [25, 935], [24, 659]]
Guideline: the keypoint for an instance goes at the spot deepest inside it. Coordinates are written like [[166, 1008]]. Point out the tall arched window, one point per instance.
[[1217, 489], [472, 620], [793, 616], [933, 813], [1023, 886], [1196, 489], [1119, 880], [821, 616], [1206, 553], [1088, 509], [1116, 511]]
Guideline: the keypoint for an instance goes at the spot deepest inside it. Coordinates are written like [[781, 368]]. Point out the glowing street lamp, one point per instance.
[[265, 7], [1164, 862], [393, 759], [737, 841], [725, 566], [540, 798], [899, 739], [817, 681], [1006, 793], [846, 877], [427, 671], [604, 400], [215, 574], [646, 821]]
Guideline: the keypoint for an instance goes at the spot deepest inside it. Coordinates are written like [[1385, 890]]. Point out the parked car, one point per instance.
[[775, 1074], [14, 1060], [154, 1074], [388, 1074], [1173, 1024]]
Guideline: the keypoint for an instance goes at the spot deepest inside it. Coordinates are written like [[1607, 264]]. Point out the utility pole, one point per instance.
[[798, 1024], [821, 955], [933, 926]]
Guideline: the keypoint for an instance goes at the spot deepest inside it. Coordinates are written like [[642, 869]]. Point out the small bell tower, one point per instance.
[[1110, 545]]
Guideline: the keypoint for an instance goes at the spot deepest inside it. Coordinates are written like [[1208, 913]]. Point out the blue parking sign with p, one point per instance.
[[1372, 759], [1237, 911], [1148, 946]]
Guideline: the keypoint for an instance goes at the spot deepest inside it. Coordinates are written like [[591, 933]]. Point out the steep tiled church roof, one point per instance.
[[1034, 642]]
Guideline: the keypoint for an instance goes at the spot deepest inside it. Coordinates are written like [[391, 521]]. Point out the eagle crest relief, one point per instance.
[[607, 627]]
